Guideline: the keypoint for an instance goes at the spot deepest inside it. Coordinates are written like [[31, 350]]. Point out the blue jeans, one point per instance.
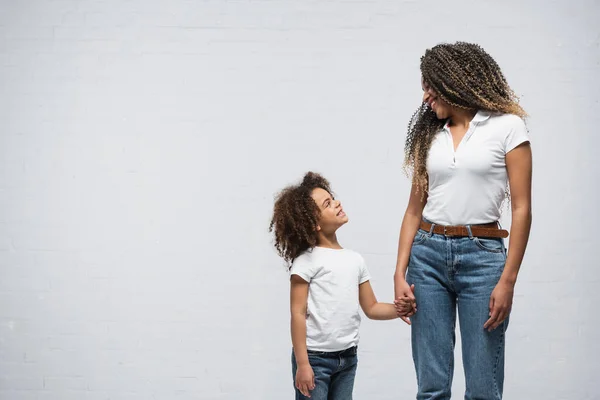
[[451, 272], [334, 374]]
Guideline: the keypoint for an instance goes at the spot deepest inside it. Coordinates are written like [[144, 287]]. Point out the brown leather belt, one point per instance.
[[485, 230]]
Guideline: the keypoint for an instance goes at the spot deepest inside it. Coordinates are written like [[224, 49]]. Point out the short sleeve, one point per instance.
[[517, 135], [364, 272], [304, 268]]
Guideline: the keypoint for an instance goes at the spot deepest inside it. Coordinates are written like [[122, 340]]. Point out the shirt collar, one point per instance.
[[481, 116]]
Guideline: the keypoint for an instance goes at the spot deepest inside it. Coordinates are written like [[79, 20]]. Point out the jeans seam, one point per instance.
[[450, 265], [450, 371], [498, 352]]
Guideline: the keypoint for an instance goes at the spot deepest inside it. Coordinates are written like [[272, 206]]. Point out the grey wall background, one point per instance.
[[142, 143]]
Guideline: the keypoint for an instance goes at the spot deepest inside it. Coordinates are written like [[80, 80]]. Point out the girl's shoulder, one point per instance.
[[303, 258]]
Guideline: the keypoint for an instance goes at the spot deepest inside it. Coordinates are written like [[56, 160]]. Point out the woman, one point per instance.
[[466, 146]]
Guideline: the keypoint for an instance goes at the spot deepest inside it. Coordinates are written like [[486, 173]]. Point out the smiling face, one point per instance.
[[332, 214], [441, 109]]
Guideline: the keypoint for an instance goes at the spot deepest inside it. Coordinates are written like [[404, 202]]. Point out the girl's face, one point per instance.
[[332, 213], [441, 109]]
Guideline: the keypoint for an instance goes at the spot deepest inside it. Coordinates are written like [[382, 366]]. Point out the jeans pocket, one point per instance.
[[420, 237], [490, 244]]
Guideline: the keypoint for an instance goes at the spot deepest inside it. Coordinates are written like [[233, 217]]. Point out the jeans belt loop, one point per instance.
[[431, 229], [470, 232]]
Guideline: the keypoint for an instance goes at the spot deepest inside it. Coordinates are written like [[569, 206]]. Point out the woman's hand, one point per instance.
[[405, 301], [405, 307], [500, 305]]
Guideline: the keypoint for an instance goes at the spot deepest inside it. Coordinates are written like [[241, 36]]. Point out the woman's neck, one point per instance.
[[461, 117]]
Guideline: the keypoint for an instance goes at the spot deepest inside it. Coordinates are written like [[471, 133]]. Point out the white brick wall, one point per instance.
[[141, 143]]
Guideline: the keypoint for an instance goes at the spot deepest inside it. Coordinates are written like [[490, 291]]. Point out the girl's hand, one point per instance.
[[404, 305], [405, 308], [305, 379], [405, 302]]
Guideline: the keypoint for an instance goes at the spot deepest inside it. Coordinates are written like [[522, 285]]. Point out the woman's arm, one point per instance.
[[410, 225], [519, 169]]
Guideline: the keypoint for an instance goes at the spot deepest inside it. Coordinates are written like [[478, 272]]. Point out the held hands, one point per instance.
[[405, 302], [305, 379]]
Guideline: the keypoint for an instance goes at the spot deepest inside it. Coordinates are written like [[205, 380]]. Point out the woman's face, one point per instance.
[[438, 105]]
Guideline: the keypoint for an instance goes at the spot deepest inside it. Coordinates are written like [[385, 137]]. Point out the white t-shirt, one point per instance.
[[333, 317], [467, 186]]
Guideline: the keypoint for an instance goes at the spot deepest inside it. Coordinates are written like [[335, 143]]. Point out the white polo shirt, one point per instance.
[[467, 186]]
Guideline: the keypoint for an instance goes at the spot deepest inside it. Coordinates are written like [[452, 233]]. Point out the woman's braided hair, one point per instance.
[[295, 217], [464, 76]]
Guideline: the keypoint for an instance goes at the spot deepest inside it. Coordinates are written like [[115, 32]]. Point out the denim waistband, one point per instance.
[[351, 351], [435, 223]]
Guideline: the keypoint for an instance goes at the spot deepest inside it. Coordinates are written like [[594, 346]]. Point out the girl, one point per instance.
[[465, 143], [328, 283]]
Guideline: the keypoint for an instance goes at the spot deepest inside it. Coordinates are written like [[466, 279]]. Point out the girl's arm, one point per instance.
[[304, 378], [372, 308], [519, 169]]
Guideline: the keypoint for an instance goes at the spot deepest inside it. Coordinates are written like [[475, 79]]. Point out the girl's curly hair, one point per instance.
[[295, 217], [464, 75]]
